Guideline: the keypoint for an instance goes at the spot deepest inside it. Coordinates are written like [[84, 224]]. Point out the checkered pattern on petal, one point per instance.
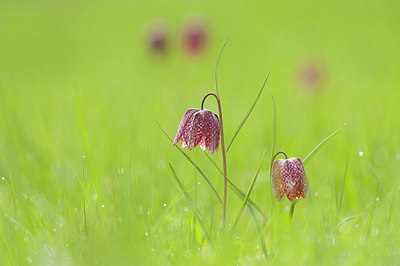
[[199, 127], [276, 179], [289, 177]]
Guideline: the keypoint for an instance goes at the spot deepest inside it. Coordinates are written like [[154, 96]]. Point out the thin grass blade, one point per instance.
[[257, 229], [273, 125], [217, 65], [343, 182], [192, 206], [246, 198], [319, 146], [248, 114]]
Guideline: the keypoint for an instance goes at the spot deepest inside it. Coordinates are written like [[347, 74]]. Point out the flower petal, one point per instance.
[[276, 179], [186, 117], [294, 179]]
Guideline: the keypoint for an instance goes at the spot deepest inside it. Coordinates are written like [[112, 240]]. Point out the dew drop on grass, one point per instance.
[[83, 156], [146, 233], [361, 154], [172, 254], [165, 205], [377, 199], [316, 193], [3, 178], [148, 213], [102, 205]]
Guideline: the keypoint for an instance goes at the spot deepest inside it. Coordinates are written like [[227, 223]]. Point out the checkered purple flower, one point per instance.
[[199, 127], [289, 177]]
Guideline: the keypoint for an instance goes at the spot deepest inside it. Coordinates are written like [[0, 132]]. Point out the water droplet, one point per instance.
[[148, 213], [102, 205], [377, 199], [83, 156], [361, 154], [146, 234], [237, 237], [3, 178], [165, 205]]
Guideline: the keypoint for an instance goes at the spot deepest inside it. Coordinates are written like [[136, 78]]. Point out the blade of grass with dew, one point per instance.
[[192, 162], [192, 206], [249, 192], [248, 114], [373, 210], [237, 190], [320, 145]]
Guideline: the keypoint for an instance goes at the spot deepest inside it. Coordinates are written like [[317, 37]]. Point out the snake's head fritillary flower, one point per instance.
[[199, 127], [289, 177]]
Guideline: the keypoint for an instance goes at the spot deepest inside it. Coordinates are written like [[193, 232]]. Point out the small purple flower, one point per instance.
[[289, 177], [199, 127]]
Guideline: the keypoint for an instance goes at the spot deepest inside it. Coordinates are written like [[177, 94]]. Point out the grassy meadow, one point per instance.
[[84, 167]]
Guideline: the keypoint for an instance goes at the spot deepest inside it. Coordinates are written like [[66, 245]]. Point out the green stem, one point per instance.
[[221, 125]]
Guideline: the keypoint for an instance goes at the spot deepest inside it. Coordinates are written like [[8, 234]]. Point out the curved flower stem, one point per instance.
[[276, 154], [221, 125]]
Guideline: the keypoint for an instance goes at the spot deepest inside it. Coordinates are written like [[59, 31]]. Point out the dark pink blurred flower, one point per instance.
[[289, 177], [194, 38], [199, 127], [311, 75], [158, 37]]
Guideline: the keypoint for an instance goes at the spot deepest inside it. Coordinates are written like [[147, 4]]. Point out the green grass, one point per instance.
[[76, 79]]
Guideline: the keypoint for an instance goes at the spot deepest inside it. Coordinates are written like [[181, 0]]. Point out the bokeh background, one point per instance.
[[81, 80]]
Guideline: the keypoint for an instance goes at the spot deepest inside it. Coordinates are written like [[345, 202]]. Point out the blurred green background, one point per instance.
[[77, 78]]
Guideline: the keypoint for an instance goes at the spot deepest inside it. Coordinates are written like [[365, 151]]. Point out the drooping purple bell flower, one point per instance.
[[199, 127], [289, 177]]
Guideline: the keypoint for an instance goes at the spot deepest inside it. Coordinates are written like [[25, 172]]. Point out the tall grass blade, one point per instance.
[[320, 145], [217, 65], [273, 125], [192, 206], [247, 115], [246, 198], [193, 163]]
